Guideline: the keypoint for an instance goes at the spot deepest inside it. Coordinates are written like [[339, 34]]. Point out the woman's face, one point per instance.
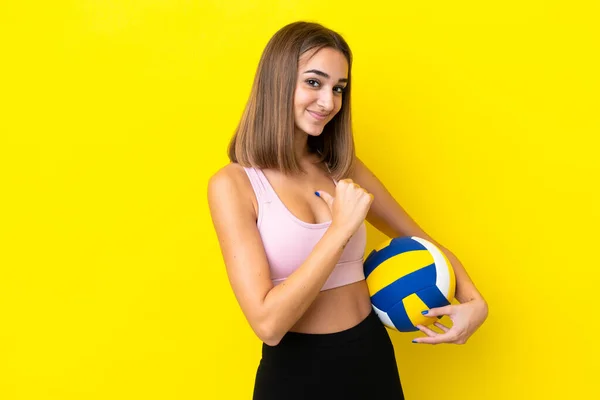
[[322, 77]]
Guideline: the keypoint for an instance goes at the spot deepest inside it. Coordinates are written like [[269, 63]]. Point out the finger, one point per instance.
[[438, 311], [367, 197], [427, 330], [439, 338], [326, 197], [441, 326]]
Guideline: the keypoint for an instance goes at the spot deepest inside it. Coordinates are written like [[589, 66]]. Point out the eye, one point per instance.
[[339, 89], [313, 82]]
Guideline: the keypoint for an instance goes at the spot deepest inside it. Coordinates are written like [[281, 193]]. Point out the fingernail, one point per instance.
[[414, 341], [317, 193], [424, 312]]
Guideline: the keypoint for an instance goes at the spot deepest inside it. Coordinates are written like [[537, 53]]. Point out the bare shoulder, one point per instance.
[[231, 184], [229, 176]]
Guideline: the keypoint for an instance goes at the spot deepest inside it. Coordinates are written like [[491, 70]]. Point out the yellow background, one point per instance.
[[481, 118]]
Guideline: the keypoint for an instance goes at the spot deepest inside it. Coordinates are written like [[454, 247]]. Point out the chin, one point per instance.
[[315, 132], [312, 130]]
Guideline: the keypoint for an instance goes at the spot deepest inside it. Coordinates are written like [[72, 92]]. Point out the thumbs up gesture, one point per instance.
[[349, 207]]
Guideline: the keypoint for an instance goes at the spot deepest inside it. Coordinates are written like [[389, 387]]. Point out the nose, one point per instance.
[[325, 101]]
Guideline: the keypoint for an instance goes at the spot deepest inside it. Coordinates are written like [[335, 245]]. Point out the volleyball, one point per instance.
[[405, 276]]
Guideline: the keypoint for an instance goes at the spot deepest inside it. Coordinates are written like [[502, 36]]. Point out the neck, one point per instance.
[[301, 145]]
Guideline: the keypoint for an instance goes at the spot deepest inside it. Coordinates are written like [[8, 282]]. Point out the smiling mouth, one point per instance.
[[317, 115]]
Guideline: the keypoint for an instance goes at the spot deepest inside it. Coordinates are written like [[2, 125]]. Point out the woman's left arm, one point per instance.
[[388, 216]]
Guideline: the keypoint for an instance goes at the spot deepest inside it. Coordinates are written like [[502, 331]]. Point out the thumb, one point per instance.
[[326, 197]]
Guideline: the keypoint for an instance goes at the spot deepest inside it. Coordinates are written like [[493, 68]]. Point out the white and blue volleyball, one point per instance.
[[405, 276]]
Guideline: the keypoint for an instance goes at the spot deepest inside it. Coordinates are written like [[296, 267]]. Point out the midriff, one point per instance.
[[336, 309]]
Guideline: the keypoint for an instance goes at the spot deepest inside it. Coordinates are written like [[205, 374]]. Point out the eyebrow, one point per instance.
[[323, 74]]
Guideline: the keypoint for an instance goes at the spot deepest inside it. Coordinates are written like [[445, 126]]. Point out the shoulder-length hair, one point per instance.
[[264, 137]]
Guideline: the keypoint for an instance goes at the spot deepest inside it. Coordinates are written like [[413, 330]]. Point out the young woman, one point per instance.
[[289, 212]]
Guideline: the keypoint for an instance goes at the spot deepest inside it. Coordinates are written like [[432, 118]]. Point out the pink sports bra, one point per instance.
[[288, 241]]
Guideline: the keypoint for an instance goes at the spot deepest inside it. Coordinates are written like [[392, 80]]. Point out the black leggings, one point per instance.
[[357, 363]]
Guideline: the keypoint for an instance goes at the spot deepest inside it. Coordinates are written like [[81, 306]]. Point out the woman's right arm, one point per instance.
[[270, 310]]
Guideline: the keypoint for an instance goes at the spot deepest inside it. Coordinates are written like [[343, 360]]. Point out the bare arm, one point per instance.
[[270, 310]]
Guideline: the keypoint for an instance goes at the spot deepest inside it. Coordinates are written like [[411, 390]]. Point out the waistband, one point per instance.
[[362, 329]]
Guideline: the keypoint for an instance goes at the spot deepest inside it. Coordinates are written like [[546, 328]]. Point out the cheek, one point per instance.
[[338, 104], [303, 97]]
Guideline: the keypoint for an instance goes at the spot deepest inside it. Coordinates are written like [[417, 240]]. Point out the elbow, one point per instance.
[[269, 334], [271, 341]]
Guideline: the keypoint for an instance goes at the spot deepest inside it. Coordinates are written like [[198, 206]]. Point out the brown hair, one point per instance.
[[264, 137]]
